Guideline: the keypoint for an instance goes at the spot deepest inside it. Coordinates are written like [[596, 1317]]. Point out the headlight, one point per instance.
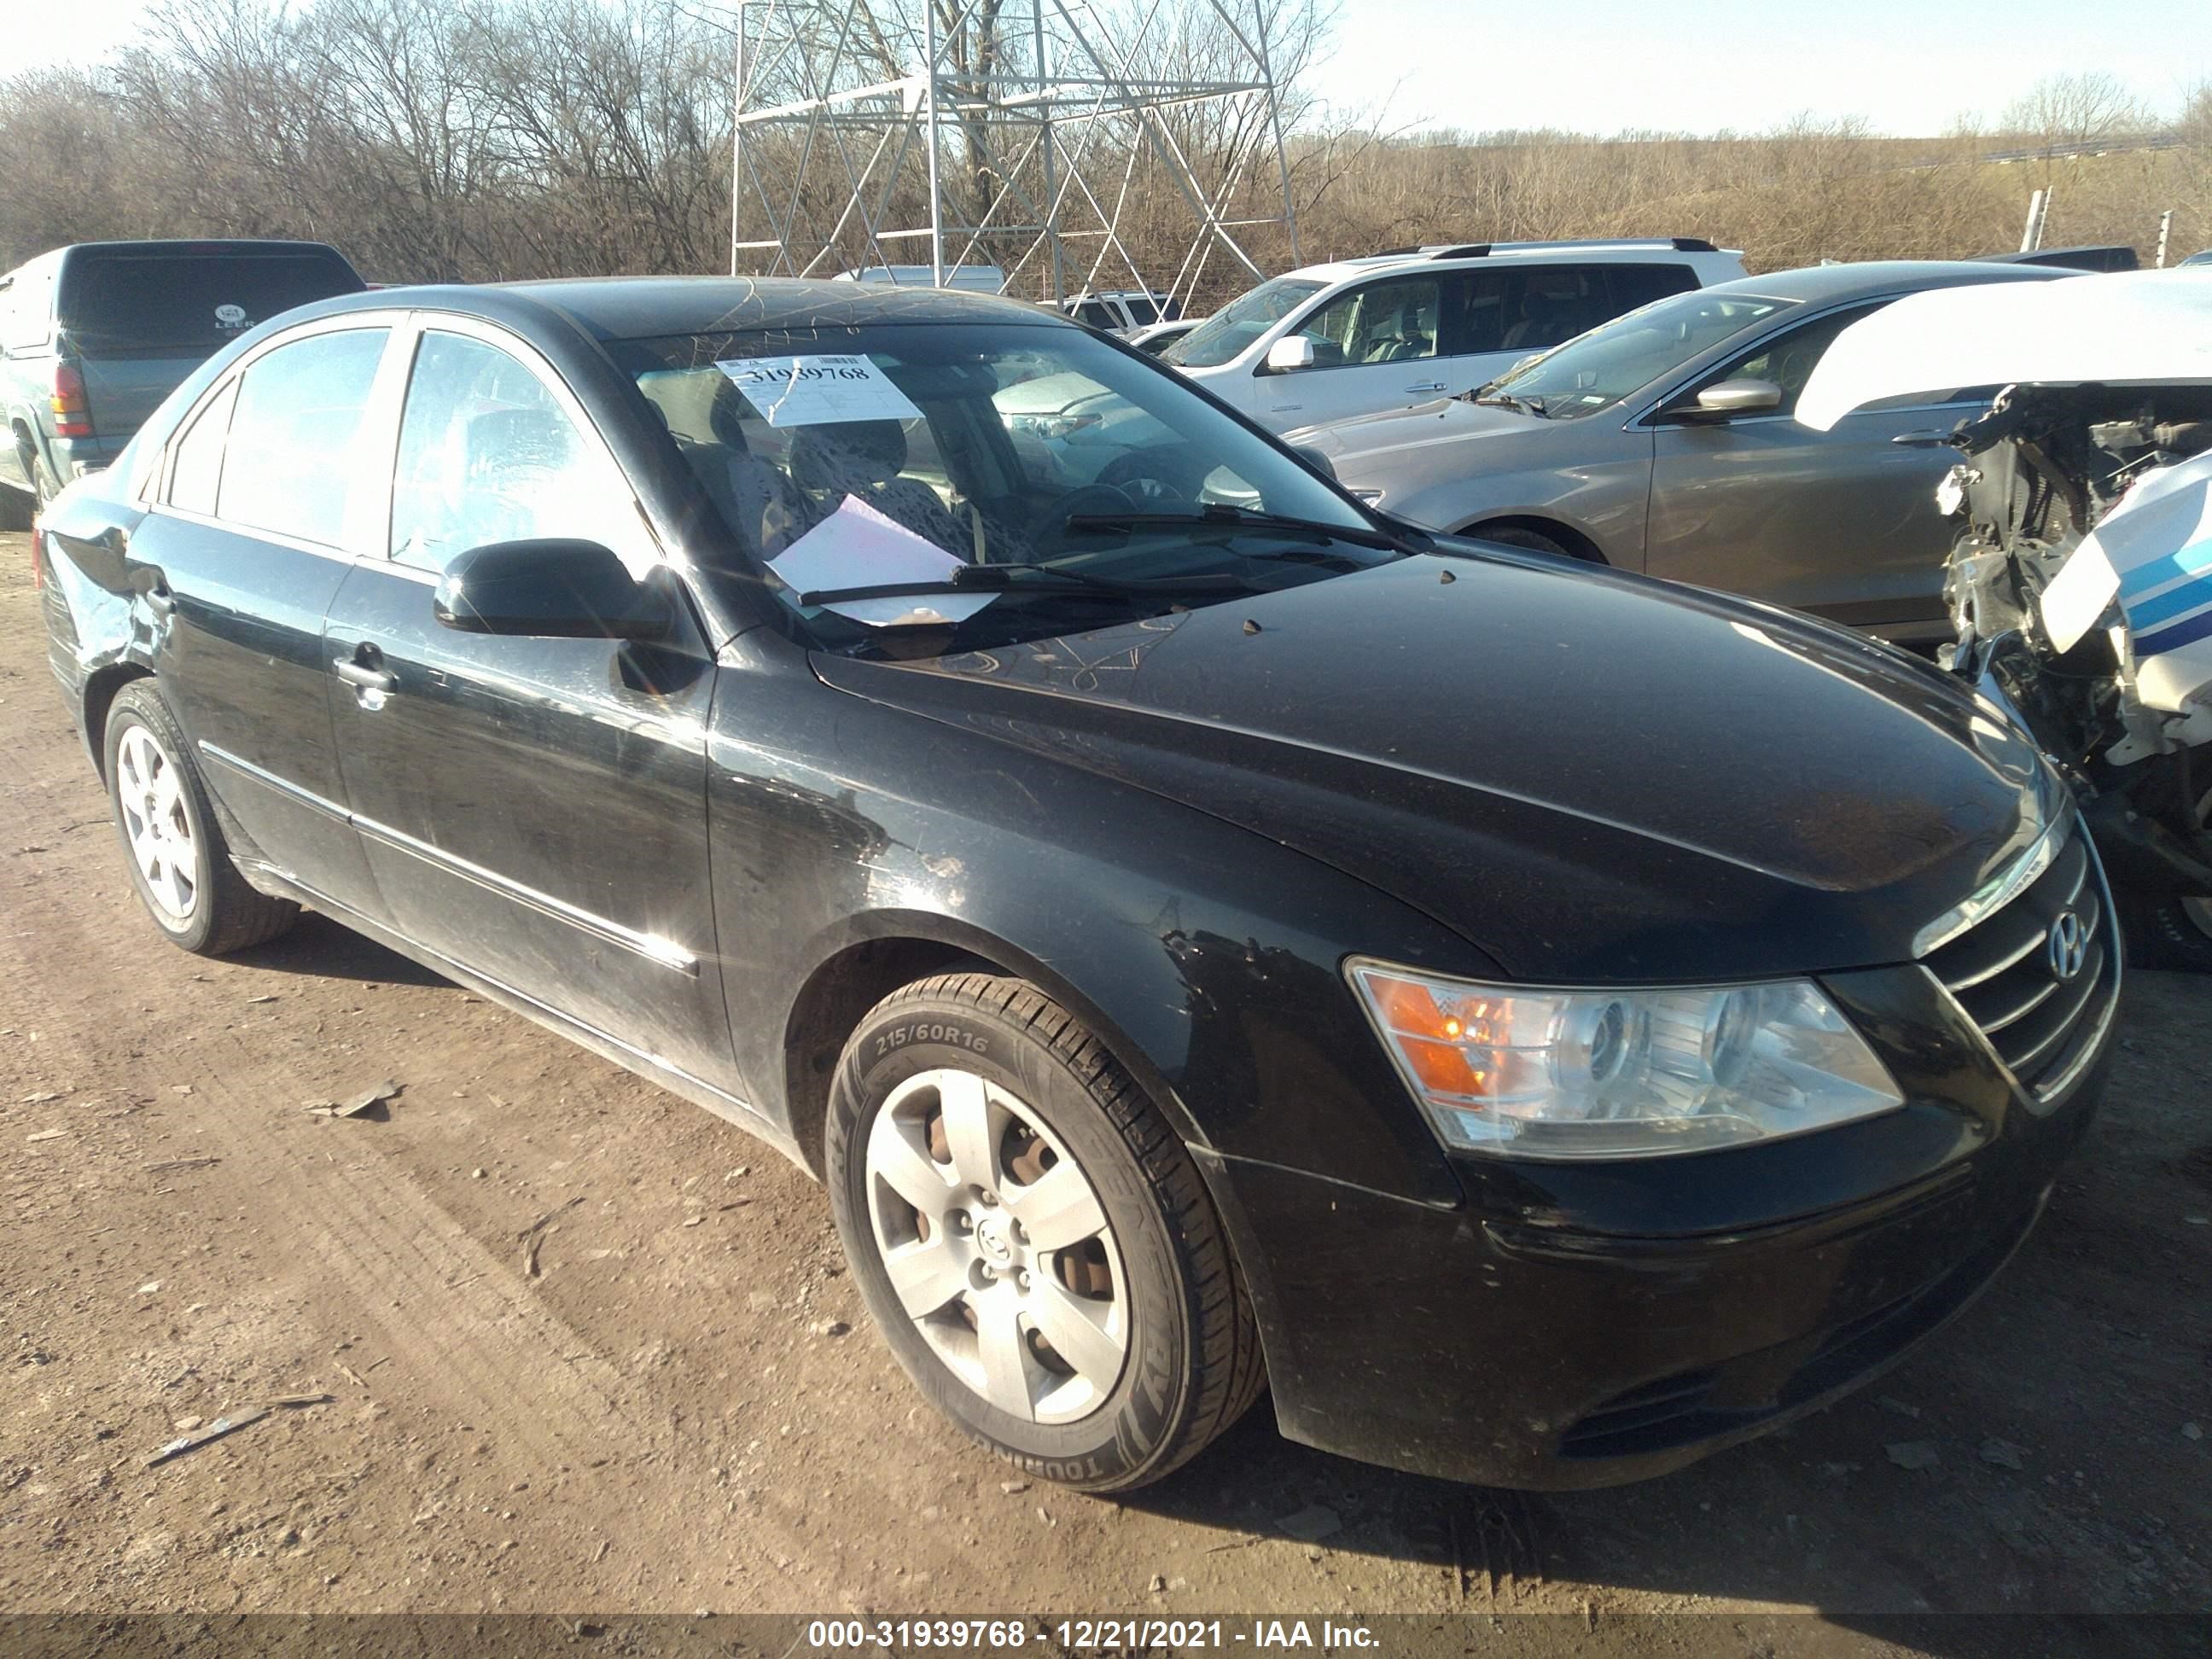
[[1611, 1074]]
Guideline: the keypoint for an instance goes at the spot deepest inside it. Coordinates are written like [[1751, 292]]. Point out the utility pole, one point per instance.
[[738, 138], [1044, 147], [936, 195]]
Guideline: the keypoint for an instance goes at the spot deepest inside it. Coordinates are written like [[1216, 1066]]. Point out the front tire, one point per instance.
[[179, 858], [1032, 1238], [1512, 535]]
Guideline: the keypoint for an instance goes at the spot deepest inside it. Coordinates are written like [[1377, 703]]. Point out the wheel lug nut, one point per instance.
[[1022, 1278]]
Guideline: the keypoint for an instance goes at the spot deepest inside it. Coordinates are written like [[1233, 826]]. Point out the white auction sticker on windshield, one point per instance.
[[819, 391]]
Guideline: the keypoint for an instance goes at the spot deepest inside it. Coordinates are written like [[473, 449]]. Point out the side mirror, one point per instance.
[[1736, 398], [1317, 459], [551, 589], [1291, 352]]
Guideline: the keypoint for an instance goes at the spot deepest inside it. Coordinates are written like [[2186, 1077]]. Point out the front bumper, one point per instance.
[[1584, 1328]]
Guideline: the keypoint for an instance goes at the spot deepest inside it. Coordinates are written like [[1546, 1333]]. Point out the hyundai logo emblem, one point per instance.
[[2068, 946]]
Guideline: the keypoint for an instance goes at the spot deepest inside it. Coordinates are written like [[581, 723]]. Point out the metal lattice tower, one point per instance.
[[1026, 134]]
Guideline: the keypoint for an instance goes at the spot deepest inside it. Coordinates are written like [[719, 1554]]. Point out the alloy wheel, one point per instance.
[[150, 792], [997, 1247]]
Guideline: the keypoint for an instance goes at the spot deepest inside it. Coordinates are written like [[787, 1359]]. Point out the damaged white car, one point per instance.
[[2081, 580]]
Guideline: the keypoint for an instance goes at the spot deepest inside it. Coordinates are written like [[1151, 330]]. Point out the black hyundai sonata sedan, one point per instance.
[[1541, 1023]]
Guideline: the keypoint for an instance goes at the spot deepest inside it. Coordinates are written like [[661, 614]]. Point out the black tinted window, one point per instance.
[[198, 471], [1536, 308], [290, 461], [1631, 286], [114, 302]]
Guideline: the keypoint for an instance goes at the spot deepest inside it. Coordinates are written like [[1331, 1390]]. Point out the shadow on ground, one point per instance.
[[317, 946]]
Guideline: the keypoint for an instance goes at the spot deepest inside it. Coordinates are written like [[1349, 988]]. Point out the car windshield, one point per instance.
[[1237, 324], [1596, 370], [1040, 470]]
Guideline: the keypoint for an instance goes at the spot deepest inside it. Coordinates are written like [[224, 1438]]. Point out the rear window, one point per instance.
[[120, 302]]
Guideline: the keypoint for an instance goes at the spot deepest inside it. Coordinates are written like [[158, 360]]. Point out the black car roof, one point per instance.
[[1817, 284], [641, 308]]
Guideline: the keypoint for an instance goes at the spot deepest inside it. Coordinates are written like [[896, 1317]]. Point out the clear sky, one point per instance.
[[1908, 66]]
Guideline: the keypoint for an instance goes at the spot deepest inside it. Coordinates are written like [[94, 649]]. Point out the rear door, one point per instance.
[[534, 809], [1842, 523], [262, 499]]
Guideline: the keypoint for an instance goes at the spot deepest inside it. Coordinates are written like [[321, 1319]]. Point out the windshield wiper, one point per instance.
[[1036, 579], [1490, 394], [1221, 515]]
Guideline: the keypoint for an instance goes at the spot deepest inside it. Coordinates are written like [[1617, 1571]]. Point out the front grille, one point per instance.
[[2002, 972]]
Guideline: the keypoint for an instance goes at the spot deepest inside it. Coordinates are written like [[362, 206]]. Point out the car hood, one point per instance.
[[1403, 435], [2144, 327], [1588, 775]]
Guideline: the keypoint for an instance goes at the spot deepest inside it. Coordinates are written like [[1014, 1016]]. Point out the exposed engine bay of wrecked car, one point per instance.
[[2081, 578]]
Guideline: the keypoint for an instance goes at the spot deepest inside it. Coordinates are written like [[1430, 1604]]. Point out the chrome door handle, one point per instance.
[[1433, 385], [362, 678], [1927, 438]]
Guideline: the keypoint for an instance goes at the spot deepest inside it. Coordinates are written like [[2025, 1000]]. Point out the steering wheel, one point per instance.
[[1158, 479]]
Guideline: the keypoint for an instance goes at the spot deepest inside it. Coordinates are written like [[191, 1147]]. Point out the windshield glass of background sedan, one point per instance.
[[1596, 370], [993, 445]]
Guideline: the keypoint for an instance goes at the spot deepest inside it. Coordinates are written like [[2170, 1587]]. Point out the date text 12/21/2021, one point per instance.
[[1086, 1635]]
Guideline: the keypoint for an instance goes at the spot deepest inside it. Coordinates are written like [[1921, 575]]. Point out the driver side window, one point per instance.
[[486, 454], [1386, 322], [1786, 360]]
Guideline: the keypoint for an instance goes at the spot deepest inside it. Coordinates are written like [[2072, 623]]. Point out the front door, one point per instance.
[[1375, 348], [1842, 524], [261, 502], [534, 809]]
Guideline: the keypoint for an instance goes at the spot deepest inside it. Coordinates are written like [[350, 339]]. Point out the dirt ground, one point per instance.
[[588, 1347]]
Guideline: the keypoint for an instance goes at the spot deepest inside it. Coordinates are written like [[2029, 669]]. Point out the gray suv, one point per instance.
[[1662, 441], [94, 336]]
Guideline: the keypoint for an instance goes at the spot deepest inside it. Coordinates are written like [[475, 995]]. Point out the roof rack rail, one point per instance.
[[1483, 250]]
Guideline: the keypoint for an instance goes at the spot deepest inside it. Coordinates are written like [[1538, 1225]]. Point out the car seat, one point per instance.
[[864, 460], [766, 509]]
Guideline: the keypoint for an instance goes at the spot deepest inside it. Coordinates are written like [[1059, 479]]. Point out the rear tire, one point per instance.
[[1064, 1291], [179, 858], [45, 487], [2170, 932], [2173, 933]]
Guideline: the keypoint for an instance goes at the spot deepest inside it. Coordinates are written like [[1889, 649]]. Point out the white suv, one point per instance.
[[1362, 336]]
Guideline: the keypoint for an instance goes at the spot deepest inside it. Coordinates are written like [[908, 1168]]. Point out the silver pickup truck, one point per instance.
[[94, 336]]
